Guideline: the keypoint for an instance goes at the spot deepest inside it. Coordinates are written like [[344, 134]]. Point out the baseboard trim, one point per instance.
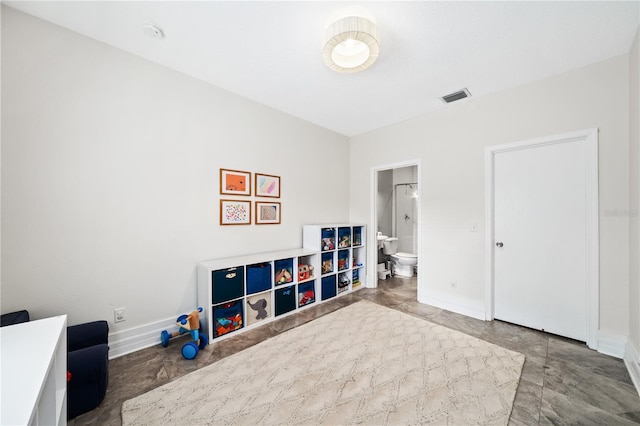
[[454, 306], [632, 361], [137, 338], [612, 344]]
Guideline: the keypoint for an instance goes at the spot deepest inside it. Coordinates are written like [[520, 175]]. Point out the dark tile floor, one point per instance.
[[563, 382]]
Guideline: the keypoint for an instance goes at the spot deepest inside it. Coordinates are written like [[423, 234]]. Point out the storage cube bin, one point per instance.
[[227, 284], [283, 271], [306, 293], [327, 262], [328, 239], [258, 277], [344, 237], [285, 299], [227, 318], [357, 236], [258, 308], [328, 287], [343, 260]]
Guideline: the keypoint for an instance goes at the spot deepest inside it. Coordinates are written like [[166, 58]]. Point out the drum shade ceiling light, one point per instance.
[[351, 45]]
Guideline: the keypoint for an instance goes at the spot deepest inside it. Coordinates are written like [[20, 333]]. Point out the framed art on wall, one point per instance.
[[235, 212], [235, 182], [267, 185], [267, 213]]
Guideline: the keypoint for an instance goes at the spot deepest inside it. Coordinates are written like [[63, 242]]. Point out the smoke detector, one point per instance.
[[456, 96], [152, 31]]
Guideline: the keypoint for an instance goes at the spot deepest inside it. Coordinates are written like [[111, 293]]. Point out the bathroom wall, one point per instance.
[[384, 202], [387, 179], [406, 209]]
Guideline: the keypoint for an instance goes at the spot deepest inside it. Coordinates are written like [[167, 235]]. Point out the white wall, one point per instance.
[[451, 144], [110, 168]]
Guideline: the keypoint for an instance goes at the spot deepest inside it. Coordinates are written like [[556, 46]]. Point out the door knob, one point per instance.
[[499, 244]]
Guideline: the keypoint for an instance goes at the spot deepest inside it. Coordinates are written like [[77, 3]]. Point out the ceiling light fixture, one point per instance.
[[351, 45]]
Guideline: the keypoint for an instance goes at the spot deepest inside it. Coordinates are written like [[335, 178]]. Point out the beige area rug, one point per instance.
[[362, 364]]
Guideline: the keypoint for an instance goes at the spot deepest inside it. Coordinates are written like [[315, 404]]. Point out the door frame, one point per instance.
[[590, 139], [372, 232]]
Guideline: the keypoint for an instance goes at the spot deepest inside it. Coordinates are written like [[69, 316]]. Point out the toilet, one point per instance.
[[404, 262]]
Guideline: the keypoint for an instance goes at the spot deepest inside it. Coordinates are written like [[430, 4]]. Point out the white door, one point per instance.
[[540, 257]]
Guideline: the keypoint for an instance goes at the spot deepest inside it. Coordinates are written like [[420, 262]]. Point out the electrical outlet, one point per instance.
[[119, 314], [454, 284], [474, 227]]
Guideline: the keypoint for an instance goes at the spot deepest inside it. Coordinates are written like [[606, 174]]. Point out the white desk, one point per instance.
[[33, 373]]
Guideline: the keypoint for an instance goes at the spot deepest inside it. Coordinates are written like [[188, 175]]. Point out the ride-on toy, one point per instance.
[[188, 323]]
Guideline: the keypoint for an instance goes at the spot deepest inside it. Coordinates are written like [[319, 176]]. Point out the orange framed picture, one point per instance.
[[235, 182]]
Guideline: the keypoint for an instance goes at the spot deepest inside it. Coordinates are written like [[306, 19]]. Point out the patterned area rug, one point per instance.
[[362, 364]]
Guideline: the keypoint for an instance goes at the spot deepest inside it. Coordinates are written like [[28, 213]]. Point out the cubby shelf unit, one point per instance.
[[240, 293], [342, 260], [34, 373]]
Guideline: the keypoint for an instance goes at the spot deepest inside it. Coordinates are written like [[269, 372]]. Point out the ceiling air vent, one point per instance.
[[456, 96]]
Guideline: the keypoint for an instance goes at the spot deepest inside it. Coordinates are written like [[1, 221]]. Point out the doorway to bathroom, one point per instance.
[[395, 220]]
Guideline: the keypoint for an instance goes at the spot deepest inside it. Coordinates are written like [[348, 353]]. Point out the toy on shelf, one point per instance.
[[328, 244], [305, 272], [188, 323], [306, 298], [284, 276]]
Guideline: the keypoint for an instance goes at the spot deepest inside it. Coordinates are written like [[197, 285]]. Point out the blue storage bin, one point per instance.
[[328, 287], [227, 318], [227, 284], [328, 239], [327, 262], [283, 271], [258, 278], [344, 237], [307, 293], [357, 236], [343, 260], [285, 299]]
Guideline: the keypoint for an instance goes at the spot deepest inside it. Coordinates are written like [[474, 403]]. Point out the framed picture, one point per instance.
[[267, 213], [235, 212], [235, 182], [267, 186]]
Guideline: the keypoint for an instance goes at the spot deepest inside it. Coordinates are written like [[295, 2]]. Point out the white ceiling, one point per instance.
[[270, 51]]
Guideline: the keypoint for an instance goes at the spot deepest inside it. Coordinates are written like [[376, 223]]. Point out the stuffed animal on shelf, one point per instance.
[[188, 323], [327, 266], [305, 272]]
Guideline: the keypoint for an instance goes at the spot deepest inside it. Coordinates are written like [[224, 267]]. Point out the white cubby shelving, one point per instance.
[[342, 260], [240, 293]]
